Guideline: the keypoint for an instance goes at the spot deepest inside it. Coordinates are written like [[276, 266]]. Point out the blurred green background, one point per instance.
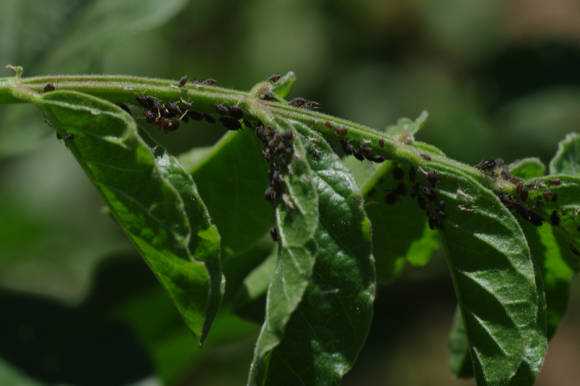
[[499, 78]]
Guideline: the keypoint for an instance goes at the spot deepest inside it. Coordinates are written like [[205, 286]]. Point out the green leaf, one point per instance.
[[528, 168], [495, 282], [567, 158], [411, 241], [459, 358], [283, 86], [232, 179], [11, 376], [151, 196], [320, 299], [406, 127]]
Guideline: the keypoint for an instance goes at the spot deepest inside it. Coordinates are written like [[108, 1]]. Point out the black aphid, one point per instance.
[[382, 142], [150, 116], [222, 109], [426, 157], [522, 191], [549, 196], [341, 131], [555, 182], [236, 112], [182, 81], [49, 87], [230, 123], [274, 78], [347, 147], [274, 234], [194, 115]]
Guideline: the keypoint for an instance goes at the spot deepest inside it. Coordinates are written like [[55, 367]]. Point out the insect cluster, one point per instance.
[[360, 152], [528, 200], [278, 151]]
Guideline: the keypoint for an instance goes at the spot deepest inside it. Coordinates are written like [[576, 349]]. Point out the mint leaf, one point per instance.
[[151, 196], [495, 282], [567, 158], [320, 299]]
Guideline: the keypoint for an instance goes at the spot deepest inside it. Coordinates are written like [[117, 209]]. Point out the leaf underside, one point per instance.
[[151, 196]]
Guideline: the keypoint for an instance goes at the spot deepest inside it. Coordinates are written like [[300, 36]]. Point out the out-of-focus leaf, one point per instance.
[[151, 196], [495, 281], [459, 358], [320, 299], [411, 240], [44, 339], [528, 168], [67, 36], [101, 22], [231, 180], [407, 128], [11, 376], [567, 159]]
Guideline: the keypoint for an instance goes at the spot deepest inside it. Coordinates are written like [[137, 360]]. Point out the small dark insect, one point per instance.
[[347, 147], [522, 191], [146, 101], [382, 142], [328, 125], [432, 178], [378, 158], [426, 157], [391, 198], [268, 96], [274, 234], [287, 136], [398, 173], [341, 131], [297, 102], [168, 125], [271, 195], [150, 116], [550, 196], [222, 109], [65, 137], [236, 112], [230, 123], [429, 192], [182, 81], [358, 155], [173, 109], [486, 165], [49, 87], [274, 78], [555, 182], [209, 82], [554, 218]]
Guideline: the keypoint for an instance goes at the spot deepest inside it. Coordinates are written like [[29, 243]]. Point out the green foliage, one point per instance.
[[509, 234], [151, 196]]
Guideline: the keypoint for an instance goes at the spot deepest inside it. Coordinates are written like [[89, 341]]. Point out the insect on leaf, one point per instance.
[[319, 305]]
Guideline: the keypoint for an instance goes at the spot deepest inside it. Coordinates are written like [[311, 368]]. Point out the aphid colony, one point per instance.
[[167, 116], [278, 151], [423, 188], [520, 202]]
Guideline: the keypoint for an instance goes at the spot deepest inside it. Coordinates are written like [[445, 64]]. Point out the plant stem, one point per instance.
[[124, 89]]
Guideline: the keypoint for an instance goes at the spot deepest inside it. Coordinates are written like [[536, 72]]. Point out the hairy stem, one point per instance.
[[124, 89]]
